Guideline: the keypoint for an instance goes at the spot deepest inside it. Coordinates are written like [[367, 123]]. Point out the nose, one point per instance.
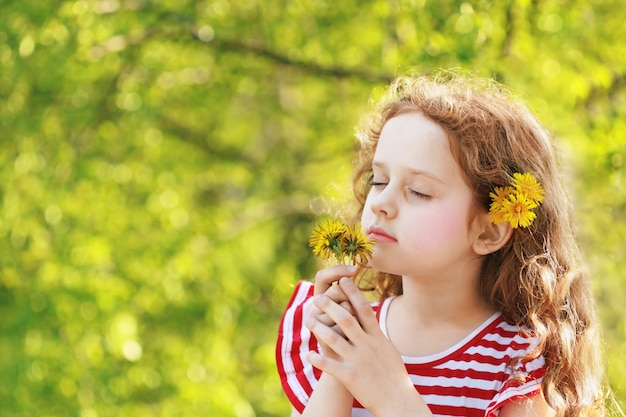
[[383, 202]]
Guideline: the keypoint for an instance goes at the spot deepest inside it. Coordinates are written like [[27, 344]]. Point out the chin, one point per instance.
[[381, 266]]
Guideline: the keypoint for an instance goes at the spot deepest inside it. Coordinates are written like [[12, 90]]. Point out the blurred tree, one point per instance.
[[162, 164]]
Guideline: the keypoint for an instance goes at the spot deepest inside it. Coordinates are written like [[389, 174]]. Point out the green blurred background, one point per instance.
[[163, 162]]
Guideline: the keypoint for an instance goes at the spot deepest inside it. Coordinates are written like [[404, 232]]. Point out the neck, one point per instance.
[[444, 300]]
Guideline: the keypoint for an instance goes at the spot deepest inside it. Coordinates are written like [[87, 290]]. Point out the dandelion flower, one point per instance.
[[334, 238], [514, 204], [496, 208], [357, 246], [518, 210], [326, 239], [527, 184]]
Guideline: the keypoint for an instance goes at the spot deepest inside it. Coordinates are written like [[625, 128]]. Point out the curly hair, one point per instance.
[[537, 279]]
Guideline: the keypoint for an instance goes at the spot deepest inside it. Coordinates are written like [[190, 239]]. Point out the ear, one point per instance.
[[487, 236]]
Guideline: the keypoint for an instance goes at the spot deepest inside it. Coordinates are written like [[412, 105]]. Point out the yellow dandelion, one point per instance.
[[334, 238], [498, 197], [514, 204], [518, 210], [497, 216], [357, 246], [527, 184], [326, 239]]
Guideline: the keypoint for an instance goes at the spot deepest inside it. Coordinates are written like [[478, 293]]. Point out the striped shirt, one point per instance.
[[474, 378]]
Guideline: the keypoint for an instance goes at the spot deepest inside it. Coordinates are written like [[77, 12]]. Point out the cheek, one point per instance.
[[440, 228]]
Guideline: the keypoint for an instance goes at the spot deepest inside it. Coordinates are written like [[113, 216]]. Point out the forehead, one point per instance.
[[415, 142]]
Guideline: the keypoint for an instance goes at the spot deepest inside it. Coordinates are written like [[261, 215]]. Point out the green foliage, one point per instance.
[[162, 164]]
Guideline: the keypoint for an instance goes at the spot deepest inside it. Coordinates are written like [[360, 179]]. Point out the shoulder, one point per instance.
[[517, 346], [503, 335], [294, 341], [535, 405], [302, 291], [520, 393]]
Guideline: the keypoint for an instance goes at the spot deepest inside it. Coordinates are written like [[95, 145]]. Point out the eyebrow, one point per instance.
[[413, 171]]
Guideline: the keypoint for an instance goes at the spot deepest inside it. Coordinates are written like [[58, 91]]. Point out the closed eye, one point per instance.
[[420, 195]]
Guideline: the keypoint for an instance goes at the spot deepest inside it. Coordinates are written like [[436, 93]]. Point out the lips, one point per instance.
[[379, 235]]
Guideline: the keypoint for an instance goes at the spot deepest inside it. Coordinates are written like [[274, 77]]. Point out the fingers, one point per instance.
[[332, 294], [325, 278], [336, 294], [347, 323], [325, 318], [361, 306], [329, 335]]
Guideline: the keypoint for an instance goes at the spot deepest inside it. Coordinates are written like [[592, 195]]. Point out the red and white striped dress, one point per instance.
[[476, 377]]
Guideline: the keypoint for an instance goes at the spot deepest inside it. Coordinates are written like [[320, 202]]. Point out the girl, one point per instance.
[[484, 308]]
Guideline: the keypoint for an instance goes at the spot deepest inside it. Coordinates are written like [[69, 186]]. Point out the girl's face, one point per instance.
[[419, 211]]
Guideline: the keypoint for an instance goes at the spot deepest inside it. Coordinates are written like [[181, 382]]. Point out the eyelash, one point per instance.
[[416, 193], [420, 195]]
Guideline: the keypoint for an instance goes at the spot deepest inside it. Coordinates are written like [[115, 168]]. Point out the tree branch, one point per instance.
[[245, 47], [598, 93], [200, 140], [509, 30]]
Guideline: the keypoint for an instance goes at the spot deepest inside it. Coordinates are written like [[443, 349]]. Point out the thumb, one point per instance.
[[325, 278]]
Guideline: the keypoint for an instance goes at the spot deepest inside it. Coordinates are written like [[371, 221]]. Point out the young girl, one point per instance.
[[484, 307]]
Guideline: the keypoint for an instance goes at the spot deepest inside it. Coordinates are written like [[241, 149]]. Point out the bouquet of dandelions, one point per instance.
[[346, 243]]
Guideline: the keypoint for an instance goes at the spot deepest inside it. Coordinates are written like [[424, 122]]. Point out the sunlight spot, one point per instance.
[[179, 218], [67, 387], [27, 46], [106, 6], [53, 214], [132, 350], [88, 412], [464, 24], [196, 372], [466, 8], [152, 378], [244, 409], [551, 68], [130, 101], [122, 174], [15, 102], [80, 7], [550, 22], [169, 199], [206, 33], [166, 80], [37, 371], [153, 137]]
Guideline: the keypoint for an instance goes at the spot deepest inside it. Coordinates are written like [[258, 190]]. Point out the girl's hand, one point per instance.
[[366, 362], [324, 280]]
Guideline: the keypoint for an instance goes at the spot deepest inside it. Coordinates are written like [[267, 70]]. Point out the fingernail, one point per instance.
[[351, 268]]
